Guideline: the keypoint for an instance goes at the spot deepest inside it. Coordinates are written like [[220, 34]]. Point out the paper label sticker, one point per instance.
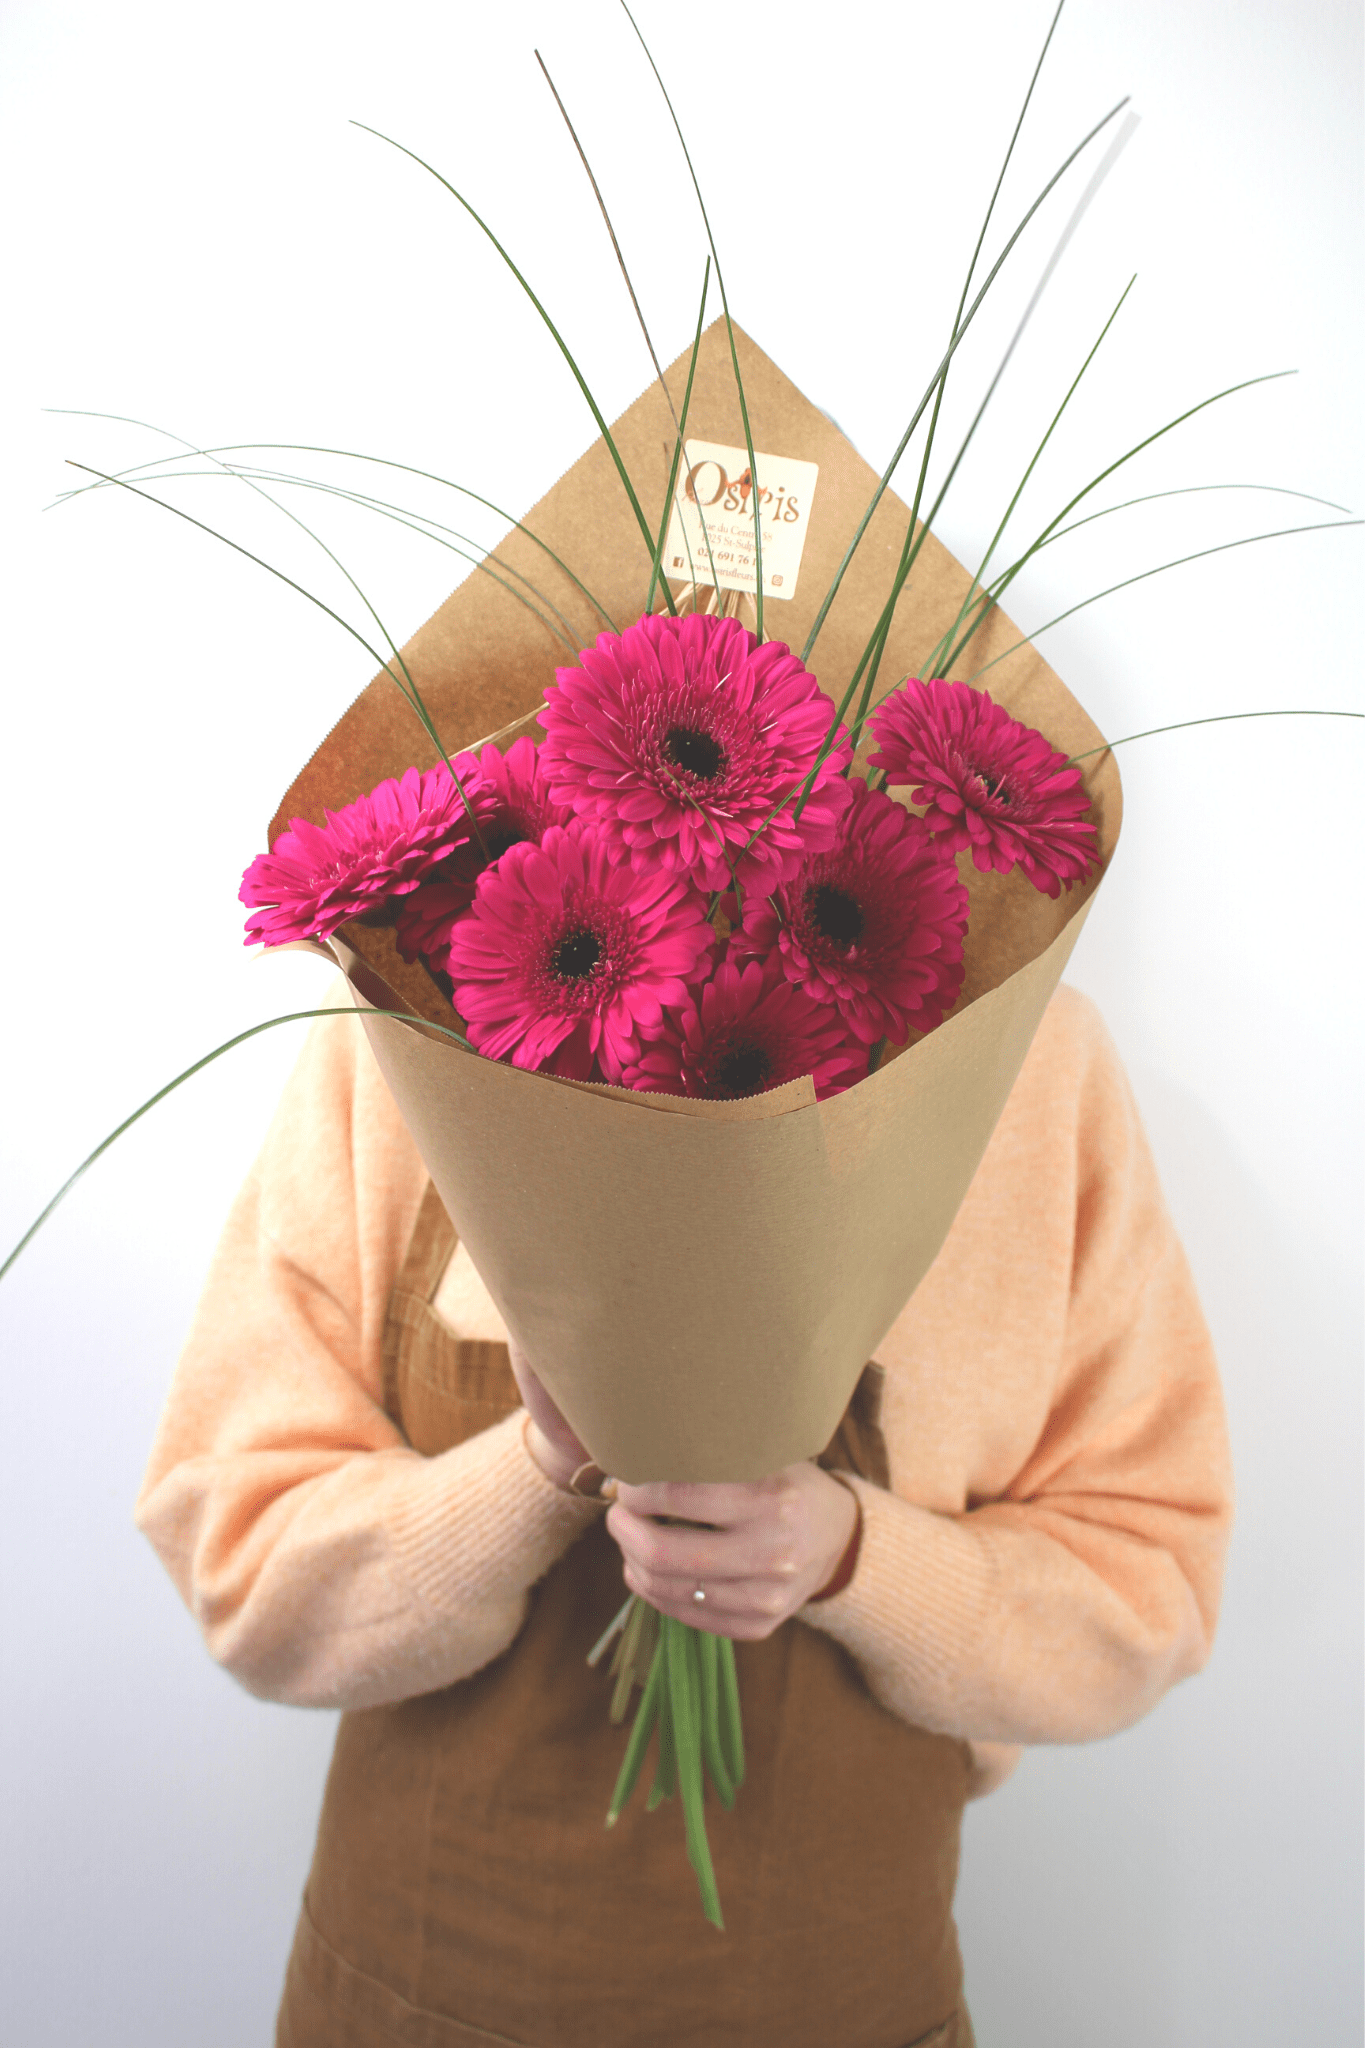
[[711, 527]]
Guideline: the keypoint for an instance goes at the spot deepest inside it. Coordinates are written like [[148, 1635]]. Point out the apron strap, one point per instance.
[[438, 1388], [430, 1248], [858, 1445]]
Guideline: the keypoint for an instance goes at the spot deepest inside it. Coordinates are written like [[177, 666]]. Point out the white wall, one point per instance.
[[200, 240]]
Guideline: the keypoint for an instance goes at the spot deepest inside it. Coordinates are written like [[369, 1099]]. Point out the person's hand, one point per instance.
[[549, 1439], [769, 1547]]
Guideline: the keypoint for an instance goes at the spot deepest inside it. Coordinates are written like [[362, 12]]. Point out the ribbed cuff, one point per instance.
[[488, 1523], [913, 1614]]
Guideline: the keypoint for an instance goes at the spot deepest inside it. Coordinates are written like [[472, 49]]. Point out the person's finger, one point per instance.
[[744, 1610], [541, 1407], [686, 1554], [722, 1505]]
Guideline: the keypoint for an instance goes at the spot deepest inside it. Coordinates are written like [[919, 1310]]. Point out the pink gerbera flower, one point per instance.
[[316, 876], [989, 782], [681, 735], [749, 1029], [874, 927], [427, 917], [567, 952], [514, 805]]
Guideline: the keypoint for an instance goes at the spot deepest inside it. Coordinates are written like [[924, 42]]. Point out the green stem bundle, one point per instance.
[[691, 1698]]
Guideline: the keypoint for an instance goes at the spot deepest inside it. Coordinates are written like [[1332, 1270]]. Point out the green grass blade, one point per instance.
[[228, 469], [885, 481], [679, 424], [977, 582], [293, 1017], [486, 560], [344, 454], [411, 696], [646, 1715], [1005, 164], [731, 1721], [1189, 491], [989, 594], [408, 684], [801, 790], [1003, 582], [596, 411], [980, 244], [488, 564], [237, 548], [915, 541], [681, 452], [602, 208], [932, 430], [678, 448], [412, 692], [1178, 562], [1221, 718], [729, 324]]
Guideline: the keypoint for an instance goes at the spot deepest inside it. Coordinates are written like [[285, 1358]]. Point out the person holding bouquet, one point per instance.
[[371, 1503]]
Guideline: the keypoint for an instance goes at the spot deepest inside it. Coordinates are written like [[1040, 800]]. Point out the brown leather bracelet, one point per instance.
[[590, 1482], [848, 1563]]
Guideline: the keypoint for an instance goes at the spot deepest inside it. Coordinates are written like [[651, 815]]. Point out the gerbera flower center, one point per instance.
[[507, 832], [835, 914], [576, 955], [696, 753], [990, 786], [382, 913], [744, 1069]]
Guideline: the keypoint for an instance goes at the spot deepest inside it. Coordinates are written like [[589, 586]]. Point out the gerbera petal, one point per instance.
[[384, 844], [559, 936], [874, 927], [965, 756], [695, 733], [748, 1030]]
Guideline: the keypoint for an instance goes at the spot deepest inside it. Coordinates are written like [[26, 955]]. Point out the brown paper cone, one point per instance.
[[700, 1284]]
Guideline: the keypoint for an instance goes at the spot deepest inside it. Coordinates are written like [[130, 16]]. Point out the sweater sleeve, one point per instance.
[[1062, 1606], [328, 1563]]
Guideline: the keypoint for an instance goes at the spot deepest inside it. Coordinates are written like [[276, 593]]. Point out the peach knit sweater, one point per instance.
[[1046, 1564]]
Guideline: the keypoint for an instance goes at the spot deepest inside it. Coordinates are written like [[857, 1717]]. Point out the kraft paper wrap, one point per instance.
[[699, 1285]]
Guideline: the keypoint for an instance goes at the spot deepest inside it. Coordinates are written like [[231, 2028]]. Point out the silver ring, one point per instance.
[[700, 1596]]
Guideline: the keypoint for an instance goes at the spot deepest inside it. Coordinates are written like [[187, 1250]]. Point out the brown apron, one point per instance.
[[464, 1888]]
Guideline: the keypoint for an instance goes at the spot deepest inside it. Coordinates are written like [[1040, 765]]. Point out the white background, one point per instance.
[[195, 237]]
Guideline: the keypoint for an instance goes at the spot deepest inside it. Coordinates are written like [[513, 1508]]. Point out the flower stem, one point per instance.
[[666, 1767], [692, 1696], [627, 1663], [684, 1686], [610, 1632], [709, 1658], [731, 1727], [639, 1741]]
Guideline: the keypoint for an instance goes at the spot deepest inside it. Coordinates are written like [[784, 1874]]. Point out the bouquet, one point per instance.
[[700, 991]]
